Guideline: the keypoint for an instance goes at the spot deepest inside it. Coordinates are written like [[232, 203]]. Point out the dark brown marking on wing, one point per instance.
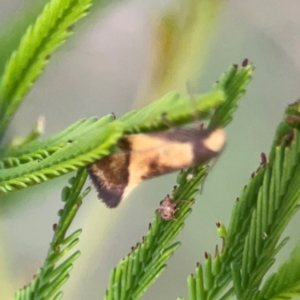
[[155, 169], [124, 144], [110, 177], [201, 153]]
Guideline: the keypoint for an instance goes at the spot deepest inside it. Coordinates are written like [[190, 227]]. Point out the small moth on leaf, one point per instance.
[[147, 155]]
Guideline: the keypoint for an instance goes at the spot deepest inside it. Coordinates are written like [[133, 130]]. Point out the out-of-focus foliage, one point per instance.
[[48, 32], [59, 262], [266, 205], [262, 212], [180, 39], [137, 271]]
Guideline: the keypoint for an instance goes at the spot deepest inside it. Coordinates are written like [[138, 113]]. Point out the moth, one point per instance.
[[147, 155]]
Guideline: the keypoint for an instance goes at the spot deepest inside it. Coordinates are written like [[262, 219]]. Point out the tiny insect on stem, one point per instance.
[[168, 208]]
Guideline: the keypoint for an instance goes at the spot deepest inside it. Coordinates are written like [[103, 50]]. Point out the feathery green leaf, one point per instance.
[[210, 284], [233, 83], [88, 140], [50, 30], [139, 269], [277, 202], [12, 30], [285, 283], [55, 272], [173, 108], [66, 152], [260, 215], [143, 265]]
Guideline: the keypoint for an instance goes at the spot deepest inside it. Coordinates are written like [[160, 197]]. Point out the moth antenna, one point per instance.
[[210, 167], [214, 120]]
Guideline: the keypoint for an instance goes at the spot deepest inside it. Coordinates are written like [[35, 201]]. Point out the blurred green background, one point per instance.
[[99, 71]]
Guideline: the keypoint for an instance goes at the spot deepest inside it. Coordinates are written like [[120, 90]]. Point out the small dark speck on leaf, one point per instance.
[[245, 62], [71, 27], [263, 158], [290, 136]]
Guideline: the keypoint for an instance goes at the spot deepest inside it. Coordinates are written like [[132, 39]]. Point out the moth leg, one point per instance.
[[210, 167]]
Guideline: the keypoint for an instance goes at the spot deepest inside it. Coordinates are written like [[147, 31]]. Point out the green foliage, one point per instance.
[[136, 272], [173, 108], [89, 140], [49, 279], [50, 30], [78, 145], [13, 29], [261, 214], [285, 283], [233, 83]]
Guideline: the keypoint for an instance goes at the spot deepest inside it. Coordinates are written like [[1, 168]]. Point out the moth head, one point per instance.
[[215, 140], [208, 145]]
